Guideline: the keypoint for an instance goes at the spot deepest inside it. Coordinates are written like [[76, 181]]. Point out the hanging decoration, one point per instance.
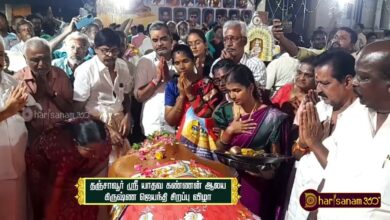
[[291, 9]]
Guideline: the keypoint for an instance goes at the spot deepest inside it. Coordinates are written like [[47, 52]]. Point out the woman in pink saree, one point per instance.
[[248, 122]]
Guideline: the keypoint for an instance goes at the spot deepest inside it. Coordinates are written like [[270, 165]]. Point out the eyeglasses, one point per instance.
[[233, 39], [113, 51], [220, 80]]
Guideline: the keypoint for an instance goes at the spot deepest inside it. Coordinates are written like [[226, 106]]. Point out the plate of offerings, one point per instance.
[[258, 162]]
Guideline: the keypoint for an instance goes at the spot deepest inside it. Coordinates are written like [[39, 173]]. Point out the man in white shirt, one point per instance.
[[334, 73], [361, 38], [102, 87], [358, 161], [235, 39], [280, 72], [152, 73], [10, 39], [13, 141]]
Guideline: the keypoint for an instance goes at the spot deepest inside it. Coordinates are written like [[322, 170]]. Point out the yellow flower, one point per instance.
[[159, 155]]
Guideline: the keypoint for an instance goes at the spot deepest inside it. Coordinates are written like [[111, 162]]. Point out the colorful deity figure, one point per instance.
[[260, 39]]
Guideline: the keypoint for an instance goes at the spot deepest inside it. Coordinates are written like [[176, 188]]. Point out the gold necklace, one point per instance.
[[250, 115]]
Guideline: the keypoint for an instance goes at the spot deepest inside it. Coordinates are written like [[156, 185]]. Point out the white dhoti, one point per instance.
[[113, 121]]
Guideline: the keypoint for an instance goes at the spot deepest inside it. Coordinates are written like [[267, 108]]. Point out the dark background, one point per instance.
[[61, 8]]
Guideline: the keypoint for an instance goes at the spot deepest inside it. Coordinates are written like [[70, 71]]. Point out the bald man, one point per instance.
[[359, 155]]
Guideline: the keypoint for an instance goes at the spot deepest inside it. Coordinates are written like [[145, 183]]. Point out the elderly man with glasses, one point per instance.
[[234, 38], [102, 88]]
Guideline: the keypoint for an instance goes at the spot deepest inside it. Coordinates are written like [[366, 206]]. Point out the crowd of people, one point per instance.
[[80, 98]]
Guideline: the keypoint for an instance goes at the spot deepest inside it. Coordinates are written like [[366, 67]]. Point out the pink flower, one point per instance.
[[147, 172], [138, 167]]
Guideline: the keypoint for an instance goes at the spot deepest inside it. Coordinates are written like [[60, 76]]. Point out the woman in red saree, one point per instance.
[[248, 122], [55, 162], [190, 100], [289, 96]]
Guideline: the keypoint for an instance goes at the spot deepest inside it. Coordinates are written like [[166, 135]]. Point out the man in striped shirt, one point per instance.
[[234, 38]]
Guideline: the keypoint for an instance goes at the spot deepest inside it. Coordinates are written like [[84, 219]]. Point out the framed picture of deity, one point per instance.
[[260, 42], [179, 14]]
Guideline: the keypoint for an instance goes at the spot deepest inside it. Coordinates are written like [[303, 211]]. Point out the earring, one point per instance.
[[195, 70]]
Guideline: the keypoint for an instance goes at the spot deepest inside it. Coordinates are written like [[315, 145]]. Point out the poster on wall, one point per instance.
[[148, 11]]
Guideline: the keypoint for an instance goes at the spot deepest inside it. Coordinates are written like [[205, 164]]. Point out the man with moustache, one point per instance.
[[359, 155], [235, 39], [102, 89], [359, 159], [318, 40], [183, 28], [24, 31], [76, 45], [152, 73], [49, 86], [345, 38], [334, 72]]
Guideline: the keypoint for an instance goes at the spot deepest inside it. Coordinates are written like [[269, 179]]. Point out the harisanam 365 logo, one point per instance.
[[311, 200]]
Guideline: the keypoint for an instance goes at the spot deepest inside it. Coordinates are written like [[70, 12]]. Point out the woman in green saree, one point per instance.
[[248, 122]]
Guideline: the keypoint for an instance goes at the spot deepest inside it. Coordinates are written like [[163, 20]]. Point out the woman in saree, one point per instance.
[[60, 156], [289, 96], [190, 100], [249, 123]]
